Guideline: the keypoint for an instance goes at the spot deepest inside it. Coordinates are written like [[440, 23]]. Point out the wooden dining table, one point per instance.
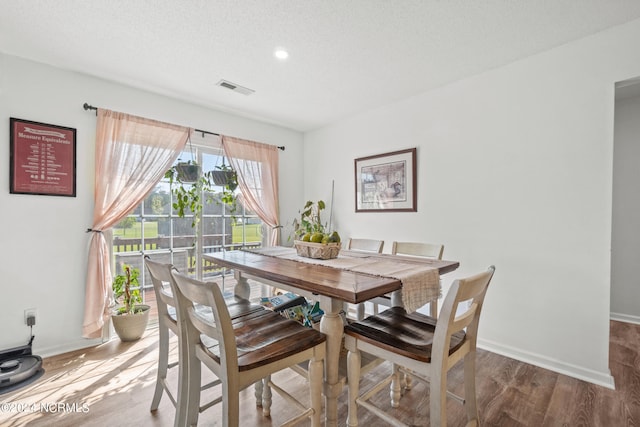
[[331, 287]]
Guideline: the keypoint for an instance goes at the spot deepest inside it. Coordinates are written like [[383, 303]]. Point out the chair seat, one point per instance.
[[241, 351], [240, 307], [265, 337], [410, 335]]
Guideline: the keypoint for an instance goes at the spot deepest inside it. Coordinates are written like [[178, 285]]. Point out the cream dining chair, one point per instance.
[[160, 277], [423, 347], [241, 353], [363, 245], [426, 250], [167, 322]]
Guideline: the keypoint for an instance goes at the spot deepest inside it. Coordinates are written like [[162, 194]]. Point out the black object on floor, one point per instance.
[[19, 367]]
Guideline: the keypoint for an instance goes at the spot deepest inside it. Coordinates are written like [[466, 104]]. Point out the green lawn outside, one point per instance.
[[252, 233], [151, 230]]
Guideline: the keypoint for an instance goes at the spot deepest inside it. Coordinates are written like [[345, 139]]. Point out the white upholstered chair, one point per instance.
[[242, 352], [423, 347]]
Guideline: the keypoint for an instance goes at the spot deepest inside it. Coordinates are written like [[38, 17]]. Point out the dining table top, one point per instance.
[[349, 286]]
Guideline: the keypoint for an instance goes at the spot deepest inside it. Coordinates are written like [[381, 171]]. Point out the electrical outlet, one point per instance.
[[30, 312]]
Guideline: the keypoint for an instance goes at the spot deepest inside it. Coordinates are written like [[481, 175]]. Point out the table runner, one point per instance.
[[420, 283]]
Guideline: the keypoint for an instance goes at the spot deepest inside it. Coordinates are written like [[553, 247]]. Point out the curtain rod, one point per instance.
[[88, 107]]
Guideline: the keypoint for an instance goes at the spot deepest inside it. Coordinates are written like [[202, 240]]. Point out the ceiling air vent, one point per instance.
[[234, 87]]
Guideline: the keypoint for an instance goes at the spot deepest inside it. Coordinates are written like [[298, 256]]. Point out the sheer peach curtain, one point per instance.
[[257, 167], [132, 155]]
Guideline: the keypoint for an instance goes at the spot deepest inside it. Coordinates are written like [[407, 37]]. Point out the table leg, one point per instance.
[[242, 288], [332, 326]]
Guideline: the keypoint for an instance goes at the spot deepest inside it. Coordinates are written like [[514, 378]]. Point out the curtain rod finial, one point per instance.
[[88, 107]]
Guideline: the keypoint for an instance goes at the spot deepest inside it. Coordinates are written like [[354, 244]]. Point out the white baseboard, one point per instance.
[[66, 347], [627, 318], [598, 378]]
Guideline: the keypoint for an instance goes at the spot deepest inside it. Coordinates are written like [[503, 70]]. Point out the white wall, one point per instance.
[[44, 245], [514, 169], [625, 250]]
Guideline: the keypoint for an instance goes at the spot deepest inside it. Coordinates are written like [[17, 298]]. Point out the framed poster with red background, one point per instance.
[[43, 159]]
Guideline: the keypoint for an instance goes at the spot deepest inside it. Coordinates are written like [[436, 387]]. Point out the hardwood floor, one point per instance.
[[112, 384]]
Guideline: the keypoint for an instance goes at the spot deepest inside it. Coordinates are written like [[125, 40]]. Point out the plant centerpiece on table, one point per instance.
[[131, 317], [313, 239]]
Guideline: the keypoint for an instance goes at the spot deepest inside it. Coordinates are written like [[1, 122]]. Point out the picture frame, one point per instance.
[[42, 159], [386, 182]]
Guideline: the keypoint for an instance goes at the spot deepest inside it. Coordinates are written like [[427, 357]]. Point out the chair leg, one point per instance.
[[438, 398], [181, 417], [259, 387], [316, 368], [353, 381], [407, 383], [189, 406], [396, 385], [163, 362], [266, 397], [360, 311], [230, 404], [470, 403]]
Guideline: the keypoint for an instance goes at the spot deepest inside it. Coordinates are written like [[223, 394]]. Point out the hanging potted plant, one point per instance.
[[188, 171], [225, 175], [188, 194], [131, 317]]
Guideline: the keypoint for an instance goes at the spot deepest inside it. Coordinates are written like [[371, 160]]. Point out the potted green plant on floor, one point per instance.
[[130, 318]]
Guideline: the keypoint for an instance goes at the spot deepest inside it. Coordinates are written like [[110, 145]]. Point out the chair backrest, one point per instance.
[[455, 316], [429, 250], [365, 245], [216, 325], [161, 278]]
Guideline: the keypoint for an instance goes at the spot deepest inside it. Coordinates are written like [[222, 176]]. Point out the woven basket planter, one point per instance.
[[317, 250]]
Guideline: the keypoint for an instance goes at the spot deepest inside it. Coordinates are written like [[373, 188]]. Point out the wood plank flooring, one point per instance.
[[112, 384]]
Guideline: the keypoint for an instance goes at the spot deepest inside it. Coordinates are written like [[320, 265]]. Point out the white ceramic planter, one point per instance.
[[130, 327]]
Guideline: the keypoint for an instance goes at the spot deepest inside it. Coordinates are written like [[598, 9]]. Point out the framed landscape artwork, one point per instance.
[[386, 182], [42, 159]]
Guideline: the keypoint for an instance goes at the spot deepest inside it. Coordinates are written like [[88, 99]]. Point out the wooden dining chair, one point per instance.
[[167, 322], [423, 347], [424, 250], [161, 277], [362, 245], [428, 250], [242, 352], [365, 245]]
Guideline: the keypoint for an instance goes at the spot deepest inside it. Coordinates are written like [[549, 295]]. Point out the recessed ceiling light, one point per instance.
[[281, 53]]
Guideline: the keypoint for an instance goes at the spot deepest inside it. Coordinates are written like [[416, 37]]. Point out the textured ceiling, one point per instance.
[[346, 56]]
